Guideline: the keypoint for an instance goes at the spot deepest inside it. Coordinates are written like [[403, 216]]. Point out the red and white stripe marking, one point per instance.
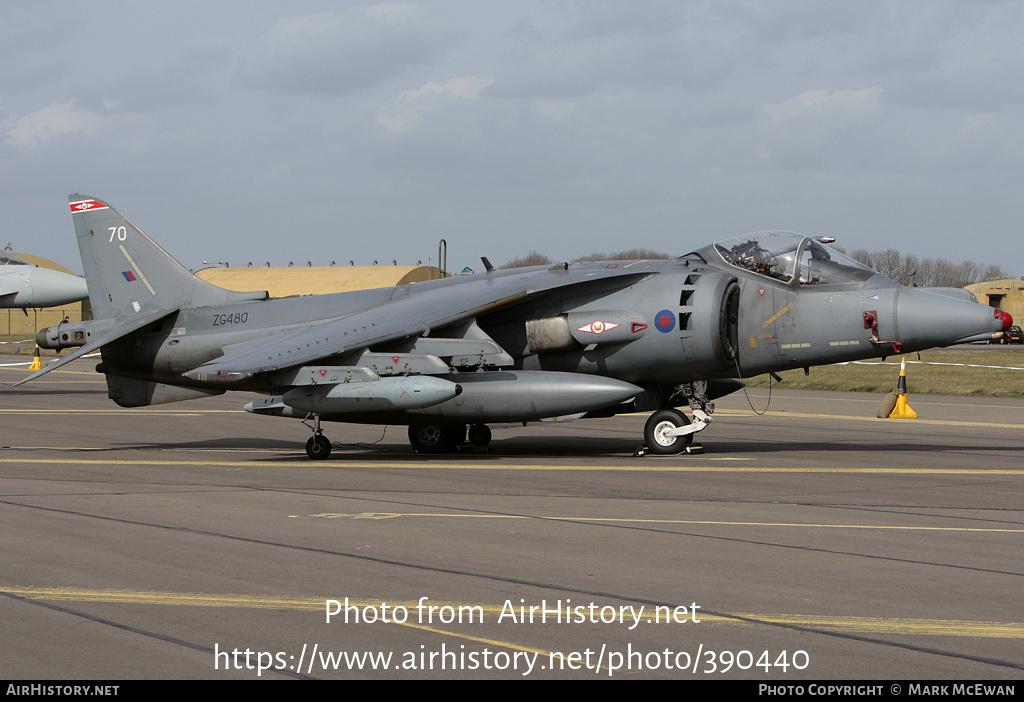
[[83, 205]]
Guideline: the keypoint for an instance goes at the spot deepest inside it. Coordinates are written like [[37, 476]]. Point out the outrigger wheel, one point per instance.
[[318, 447]]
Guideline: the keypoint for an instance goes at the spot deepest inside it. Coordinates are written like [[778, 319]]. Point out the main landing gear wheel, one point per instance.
[[436, 438], [657, 436], [479, 434], [318, 447]]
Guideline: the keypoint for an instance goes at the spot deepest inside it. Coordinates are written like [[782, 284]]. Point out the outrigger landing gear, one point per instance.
[[318, 447]]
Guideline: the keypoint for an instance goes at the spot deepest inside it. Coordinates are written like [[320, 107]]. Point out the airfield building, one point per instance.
[[315, 280], [1006, 294]]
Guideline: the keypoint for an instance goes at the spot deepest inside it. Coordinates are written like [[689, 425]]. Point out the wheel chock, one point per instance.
[[692, 450], [888, 405]]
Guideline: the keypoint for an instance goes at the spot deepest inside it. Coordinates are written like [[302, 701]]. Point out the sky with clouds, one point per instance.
[[318, 131]]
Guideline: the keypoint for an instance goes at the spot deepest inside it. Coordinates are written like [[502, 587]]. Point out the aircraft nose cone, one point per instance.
[[50, 288], [1007, 319], [925, 319]]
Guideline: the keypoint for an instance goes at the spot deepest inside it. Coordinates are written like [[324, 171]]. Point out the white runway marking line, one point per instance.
[[626, 520]]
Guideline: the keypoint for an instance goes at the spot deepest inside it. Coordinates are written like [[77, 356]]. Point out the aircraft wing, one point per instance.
[[408, 316]]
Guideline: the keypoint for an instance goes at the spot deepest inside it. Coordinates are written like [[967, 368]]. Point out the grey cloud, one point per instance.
[[338, 51]]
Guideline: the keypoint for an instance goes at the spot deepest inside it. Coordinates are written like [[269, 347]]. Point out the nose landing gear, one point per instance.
[[668, 431], [660, 432]]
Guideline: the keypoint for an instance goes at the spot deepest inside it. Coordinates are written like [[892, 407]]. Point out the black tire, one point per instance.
[[436, 438], [318, 447], [479, 434], [656, 426]]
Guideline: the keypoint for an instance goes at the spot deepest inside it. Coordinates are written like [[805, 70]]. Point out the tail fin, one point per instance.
[[129, 274]]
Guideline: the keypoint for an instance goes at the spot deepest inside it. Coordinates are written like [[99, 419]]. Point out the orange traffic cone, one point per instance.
[[902, 410]]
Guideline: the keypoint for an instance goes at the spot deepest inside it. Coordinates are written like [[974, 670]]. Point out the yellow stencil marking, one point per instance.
[[778, 314]]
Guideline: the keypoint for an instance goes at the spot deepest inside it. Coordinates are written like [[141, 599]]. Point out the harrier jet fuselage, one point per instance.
[[592, 338]]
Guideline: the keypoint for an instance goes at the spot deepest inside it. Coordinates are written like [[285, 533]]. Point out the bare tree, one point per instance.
[[966, 273], [534, 258], [907, 274], [887, 262], [862, 256], [925, 272], [637, 254], [994, 272]]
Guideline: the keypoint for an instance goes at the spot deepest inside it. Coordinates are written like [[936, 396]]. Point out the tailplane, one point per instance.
[[129, 274]]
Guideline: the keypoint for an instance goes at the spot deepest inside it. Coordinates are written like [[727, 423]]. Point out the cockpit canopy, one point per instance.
[[9, 259], [790, 257]]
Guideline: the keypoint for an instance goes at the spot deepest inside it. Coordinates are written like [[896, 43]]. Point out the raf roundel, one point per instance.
[[665, 321], [597, 327]]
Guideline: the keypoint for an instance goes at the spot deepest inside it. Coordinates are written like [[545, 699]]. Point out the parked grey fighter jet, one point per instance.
[[593, 338], [25, 285]]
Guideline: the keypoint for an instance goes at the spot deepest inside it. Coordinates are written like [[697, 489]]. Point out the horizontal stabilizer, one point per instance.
[[114, 334]]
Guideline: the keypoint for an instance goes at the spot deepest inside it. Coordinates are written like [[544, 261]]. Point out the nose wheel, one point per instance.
[[662, 432]]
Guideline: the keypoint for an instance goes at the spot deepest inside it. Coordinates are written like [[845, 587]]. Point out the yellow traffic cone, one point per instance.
[[903, 410], [37, 363]]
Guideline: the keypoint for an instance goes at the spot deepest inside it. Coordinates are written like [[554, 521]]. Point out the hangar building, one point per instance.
[[315, 280], [1006, 294]]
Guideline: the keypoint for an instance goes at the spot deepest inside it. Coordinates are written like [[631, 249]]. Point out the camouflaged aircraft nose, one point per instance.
[[925, 319]]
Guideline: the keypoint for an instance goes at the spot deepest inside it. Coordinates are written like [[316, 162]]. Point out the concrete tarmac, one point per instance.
[[194, 540]]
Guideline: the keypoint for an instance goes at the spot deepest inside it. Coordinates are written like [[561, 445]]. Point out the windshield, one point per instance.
[[9, 259], [791, 257]]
